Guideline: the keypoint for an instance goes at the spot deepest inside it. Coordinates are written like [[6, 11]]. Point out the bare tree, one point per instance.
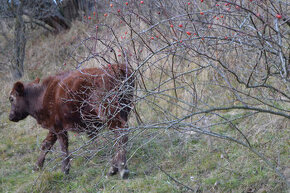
[[18, 16]]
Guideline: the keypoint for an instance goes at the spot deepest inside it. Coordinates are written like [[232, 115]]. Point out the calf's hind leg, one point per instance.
[[46, 145], [119, 162]]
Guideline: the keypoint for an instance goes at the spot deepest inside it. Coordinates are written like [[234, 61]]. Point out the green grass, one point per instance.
[[189, 160]]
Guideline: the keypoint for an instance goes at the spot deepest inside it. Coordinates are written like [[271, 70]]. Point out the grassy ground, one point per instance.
[[204, 164]]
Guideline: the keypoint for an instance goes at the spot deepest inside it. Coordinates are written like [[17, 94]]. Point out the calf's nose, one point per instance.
[[11, 116]]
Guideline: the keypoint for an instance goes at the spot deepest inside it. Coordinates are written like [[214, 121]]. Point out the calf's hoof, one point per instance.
[[66, 172], [65, 169], [36, 168], [124, 173], [112, 171]]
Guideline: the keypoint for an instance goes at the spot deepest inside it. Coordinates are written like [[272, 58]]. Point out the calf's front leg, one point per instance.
[[46, 145], [63, 141]]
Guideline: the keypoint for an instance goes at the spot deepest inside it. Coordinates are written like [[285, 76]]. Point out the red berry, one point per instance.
[[105, 14], [111, 5], [201, 13], [109, 65], [226, 37], [222, 16], [171, 26], [94, 13], [180, 25], [188, 33], [152, 38], [279, 16], [180, 41], [126, 3], [188, 3], [201, 0], [96, 27], [237, 7], [157, 36], [64, 64], [141, 2], [119, 10], [89, 17]]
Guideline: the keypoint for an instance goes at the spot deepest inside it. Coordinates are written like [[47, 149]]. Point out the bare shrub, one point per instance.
[[199, 65]]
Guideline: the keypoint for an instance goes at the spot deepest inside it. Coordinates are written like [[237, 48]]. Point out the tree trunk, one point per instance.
[[17, 69], [57, 22], [69, 9]]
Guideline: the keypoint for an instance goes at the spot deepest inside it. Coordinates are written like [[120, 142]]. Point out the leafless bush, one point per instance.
[[195, 63]]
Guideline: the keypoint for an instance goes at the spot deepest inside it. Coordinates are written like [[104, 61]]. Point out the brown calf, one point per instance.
[[79, 101]]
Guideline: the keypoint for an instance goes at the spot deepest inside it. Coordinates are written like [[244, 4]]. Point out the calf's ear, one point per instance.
[[19, 88]]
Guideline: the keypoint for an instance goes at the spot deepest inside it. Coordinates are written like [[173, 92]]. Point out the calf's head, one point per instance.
[[19, 104]]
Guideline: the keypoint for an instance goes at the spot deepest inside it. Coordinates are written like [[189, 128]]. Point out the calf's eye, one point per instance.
[[11, 99]]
